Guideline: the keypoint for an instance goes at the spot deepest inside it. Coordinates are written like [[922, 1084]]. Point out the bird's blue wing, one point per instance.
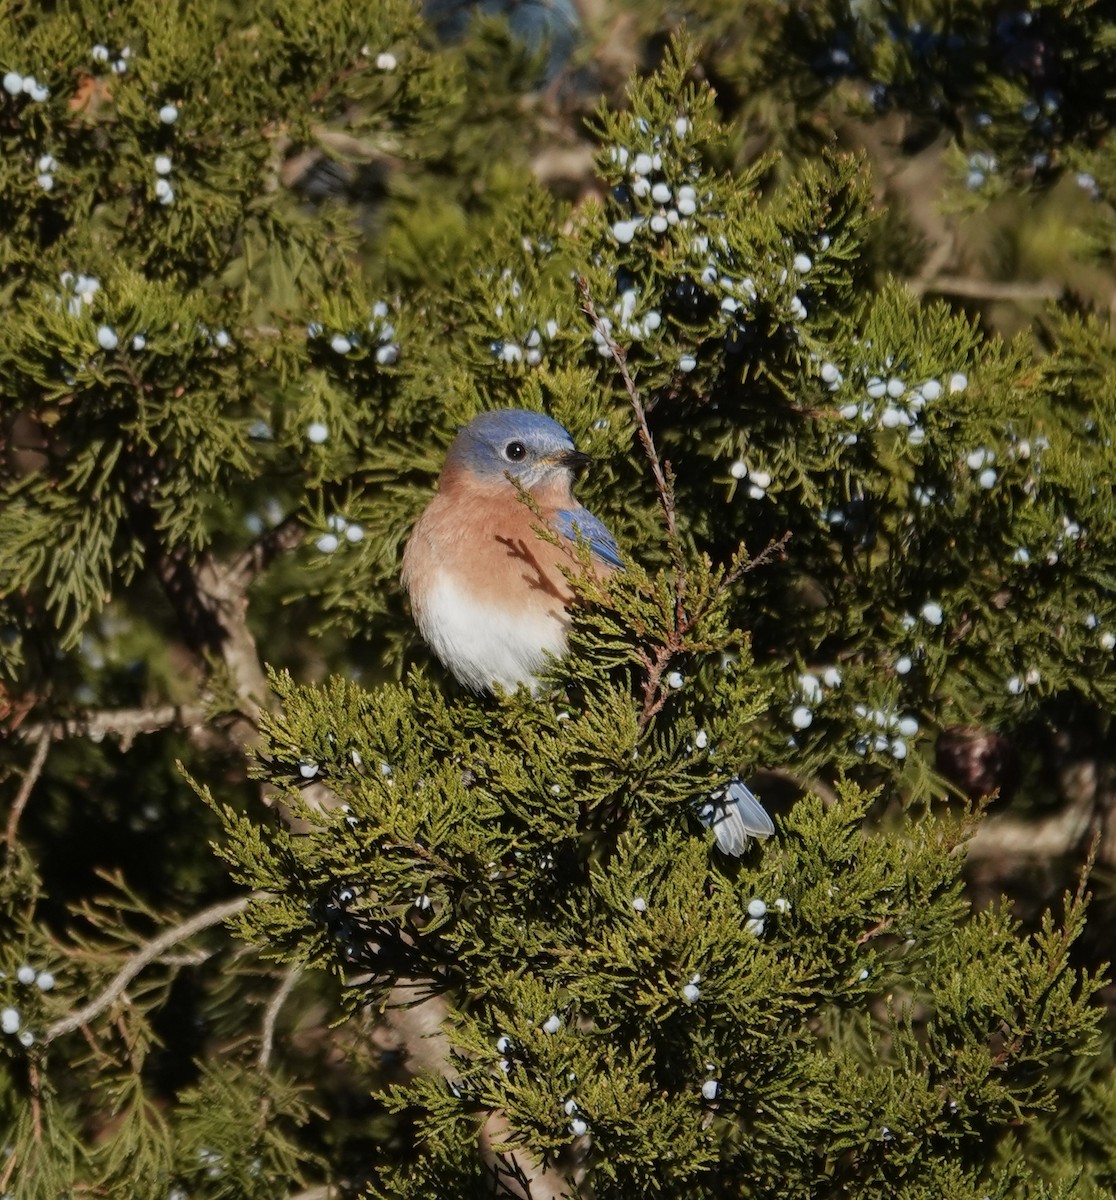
[[734, 815], [573, 521]]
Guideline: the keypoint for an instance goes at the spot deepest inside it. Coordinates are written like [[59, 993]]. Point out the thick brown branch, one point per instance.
[[1020, 291], [286, 536], [124, 723], [144, 957]]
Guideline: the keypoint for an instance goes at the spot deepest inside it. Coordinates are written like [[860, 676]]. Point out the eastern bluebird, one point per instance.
[[488, 593]]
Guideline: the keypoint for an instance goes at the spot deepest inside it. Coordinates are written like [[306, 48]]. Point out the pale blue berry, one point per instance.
[[932, 613], [802, 717], [168, 114], [106, 338]]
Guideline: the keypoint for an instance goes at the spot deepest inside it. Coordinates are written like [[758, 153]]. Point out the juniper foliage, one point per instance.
[[258, 267]]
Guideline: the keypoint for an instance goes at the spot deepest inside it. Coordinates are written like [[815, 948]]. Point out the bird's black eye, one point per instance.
[[514, 451]]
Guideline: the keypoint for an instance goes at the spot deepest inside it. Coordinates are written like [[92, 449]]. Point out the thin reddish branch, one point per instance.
[[660, 472]]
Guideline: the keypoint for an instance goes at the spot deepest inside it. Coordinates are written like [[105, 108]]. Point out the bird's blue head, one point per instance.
[[531, 448]]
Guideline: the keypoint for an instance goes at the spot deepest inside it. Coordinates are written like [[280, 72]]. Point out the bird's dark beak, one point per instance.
[[574, 459]]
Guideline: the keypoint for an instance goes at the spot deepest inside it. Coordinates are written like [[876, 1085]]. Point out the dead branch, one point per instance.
[[26, 787], [147, 954]]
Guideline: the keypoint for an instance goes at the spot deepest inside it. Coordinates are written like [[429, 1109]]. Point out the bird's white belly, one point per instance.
[[483, 643]]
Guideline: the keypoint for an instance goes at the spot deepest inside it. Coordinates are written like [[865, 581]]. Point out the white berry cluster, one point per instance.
[[758, 913], [634, 327], [214, 337], [691, 991], [118, 59], [46, 166], [980, 166], [579, 1127], [385, 61], [888, 732], [78, 292], [889, 401], [529, 330], [164, 191], [1017, 684], [757, 481], [11, 1019], [386, 349], [980, 461], [1106, 639], [17, 85], [653, 201], [809, 693], [339, 527], [738, 294], [212, 1161]]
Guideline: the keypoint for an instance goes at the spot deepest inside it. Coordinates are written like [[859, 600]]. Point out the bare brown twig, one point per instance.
[[27, 786], [654, 697], [147, 954], [271, 1016]]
